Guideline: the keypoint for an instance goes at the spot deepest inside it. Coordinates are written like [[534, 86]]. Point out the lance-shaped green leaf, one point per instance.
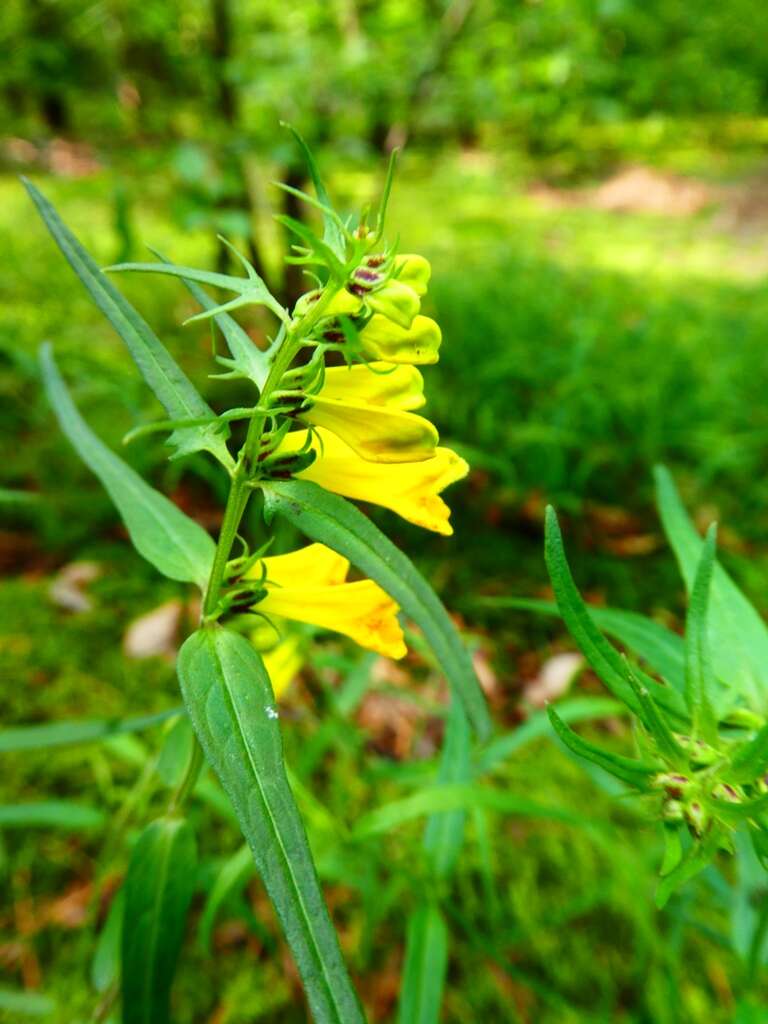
[[699, 677], [634, 773], [231, 706], [168, 381], [602, 656], [105, 966], [426, 960], [444, 833], [656, 645], [327, 518], [158, 890], [738, 637], [175, 544], [333, 234]]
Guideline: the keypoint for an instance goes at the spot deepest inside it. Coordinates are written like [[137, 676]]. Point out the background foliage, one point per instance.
[[588, 181]]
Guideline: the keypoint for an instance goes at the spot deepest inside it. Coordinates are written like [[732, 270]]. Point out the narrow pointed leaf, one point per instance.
[[656, 723], [166, 379], [327, 518], [634, 773], [699, 678], [602, 656], [426, 961], [238, 870], [332, 233], [699, 856], [175, 544], [738, 637], [231, 706], [158, 891], [69, 733]]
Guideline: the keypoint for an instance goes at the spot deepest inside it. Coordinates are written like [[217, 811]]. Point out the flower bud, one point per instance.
[[673, 783], [697, 817], [396, 301], [343, 303], [414, 271]]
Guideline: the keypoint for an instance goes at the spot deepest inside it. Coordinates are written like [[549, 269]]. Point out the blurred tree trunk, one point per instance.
[[228, 110]]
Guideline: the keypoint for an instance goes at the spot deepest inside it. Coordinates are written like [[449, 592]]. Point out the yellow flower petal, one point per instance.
[[361, 611], [283, 663], [396, 301], [410, 489], [414, 271], [313, 565], [375, 432], [383, 339], [400, 387]]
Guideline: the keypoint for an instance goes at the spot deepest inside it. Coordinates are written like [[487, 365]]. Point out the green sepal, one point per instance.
[[673, 849], [635, 773], [750, 760], [698, 856]]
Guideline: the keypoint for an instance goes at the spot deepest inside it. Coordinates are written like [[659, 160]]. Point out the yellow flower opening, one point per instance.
[[309, 585], [412, 490]]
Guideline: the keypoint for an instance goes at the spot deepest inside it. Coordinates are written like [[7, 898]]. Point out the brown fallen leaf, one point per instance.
[[69, 587], [156, 633], [554, 678]]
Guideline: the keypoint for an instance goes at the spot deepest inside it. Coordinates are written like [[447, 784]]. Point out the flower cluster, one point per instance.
[[353, 430]]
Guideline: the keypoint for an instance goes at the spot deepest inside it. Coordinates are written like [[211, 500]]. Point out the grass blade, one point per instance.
[[50, 814], [699, 678], [426, 961], [65, 734]]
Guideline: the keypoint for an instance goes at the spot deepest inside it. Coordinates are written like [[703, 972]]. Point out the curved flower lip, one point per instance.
[[309, 586], [375, 432], [396, 387], [410, 489], [413, 270], [418, 344]]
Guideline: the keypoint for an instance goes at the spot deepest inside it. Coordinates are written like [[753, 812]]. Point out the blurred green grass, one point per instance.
[[580, 347]]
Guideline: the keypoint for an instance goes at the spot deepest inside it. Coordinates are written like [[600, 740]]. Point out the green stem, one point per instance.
[[244, 470]]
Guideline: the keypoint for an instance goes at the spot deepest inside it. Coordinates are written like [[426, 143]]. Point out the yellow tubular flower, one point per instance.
[[383, 339], [309, 586], [283, 663], [400, 387], [411, 490], [376, 432], [414, 271]]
